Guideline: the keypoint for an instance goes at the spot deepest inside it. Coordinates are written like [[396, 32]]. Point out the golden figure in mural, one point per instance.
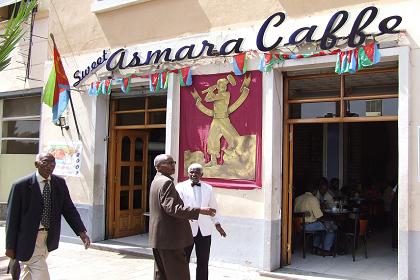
[[221, 126]]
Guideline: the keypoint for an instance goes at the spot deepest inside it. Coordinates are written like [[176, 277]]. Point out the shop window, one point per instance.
[[144, 111], [20, 125], [102, 6], [8, 9], [368, 95]]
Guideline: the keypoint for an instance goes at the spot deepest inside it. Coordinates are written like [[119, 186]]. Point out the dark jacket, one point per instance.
[[169, 227], [24, 215]]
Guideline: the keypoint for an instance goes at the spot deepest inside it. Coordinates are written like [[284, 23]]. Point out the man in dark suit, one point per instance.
[[169, 229], [36, 203]]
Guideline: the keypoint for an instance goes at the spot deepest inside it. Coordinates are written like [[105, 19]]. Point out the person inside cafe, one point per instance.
[[323, 194], [308, 203]]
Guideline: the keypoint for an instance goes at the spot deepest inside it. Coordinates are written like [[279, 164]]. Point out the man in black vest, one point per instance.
[[36, 203]]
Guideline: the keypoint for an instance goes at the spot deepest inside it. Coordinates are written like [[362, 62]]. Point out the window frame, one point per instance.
[[102, 6], [20, 118], [342, 99]]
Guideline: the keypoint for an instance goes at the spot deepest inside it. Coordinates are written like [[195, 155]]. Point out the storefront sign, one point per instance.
[[122, 59], [92, 68]]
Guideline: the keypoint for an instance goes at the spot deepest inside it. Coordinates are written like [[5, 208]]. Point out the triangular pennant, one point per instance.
[[239, 64], [126, 85], [186, 76]]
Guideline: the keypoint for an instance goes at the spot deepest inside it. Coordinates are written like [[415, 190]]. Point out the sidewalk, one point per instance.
[[71, 262]]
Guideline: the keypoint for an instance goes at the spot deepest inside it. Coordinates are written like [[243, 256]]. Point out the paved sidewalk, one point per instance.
[[71, 262]]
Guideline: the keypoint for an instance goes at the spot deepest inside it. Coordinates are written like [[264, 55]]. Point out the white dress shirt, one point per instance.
[[198, 197], [41, 183]]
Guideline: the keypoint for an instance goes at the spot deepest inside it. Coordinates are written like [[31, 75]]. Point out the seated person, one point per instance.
[[335, 188], [323, 194], [309, 204]]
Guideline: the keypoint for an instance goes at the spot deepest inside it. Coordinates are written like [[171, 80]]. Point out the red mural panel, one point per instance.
[[220, 128]]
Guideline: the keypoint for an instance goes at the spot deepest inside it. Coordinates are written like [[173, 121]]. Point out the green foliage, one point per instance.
[[13, 32]]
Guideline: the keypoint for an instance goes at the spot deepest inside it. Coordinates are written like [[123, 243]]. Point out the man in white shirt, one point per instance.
[[195, 193]]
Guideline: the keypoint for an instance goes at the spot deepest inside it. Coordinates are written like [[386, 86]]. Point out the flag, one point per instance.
[[185, 77], [239, 64], [154, 82], [357, 59], [57, 90]]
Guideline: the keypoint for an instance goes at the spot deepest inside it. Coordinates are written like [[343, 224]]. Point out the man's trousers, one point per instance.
[[36, 267], [171, 264], [202, 251]]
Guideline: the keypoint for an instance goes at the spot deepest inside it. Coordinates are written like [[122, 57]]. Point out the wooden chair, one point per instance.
[[359, 233], [298, 228]]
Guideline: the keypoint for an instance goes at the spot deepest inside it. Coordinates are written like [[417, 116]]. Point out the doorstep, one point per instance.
[[123, 248], [296, 274]]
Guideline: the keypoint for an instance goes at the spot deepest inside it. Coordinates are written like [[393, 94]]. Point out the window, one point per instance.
[[7, 8], [20, 125], [101, 6], [321, 95], [140, 108]]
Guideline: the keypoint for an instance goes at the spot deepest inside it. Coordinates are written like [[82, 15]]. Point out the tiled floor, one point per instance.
[[382, 262]]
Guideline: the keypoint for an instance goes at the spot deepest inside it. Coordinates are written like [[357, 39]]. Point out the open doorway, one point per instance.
[[342, 129], [369, 167]]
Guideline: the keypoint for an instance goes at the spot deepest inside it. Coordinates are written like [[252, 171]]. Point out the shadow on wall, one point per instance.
[[300, 8], [153, 20]]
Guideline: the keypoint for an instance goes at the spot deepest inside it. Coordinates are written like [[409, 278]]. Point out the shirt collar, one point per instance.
[[40, 179]]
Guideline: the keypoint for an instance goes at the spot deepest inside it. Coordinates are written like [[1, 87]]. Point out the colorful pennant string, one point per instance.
[[357, 59], [347, 62]]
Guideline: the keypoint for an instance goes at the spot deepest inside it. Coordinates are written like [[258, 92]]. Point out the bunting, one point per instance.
[[357, 59]]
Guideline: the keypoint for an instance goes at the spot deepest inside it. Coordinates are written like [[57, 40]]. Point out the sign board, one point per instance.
[[68, 157]]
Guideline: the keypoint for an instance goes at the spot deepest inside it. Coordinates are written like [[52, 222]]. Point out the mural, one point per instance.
[[221, 128]]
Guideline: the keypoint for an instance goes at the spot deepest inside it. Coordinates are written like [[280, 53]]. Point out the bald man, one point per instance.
[[169, 229]]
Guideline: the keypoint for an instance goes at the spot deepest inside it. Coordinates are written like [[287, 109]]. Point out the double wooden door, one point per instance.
[[129, 186]]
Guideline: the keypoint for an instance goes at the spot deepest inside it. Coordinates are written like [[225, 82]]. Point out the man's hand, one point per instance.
[[85, 238], [220, 230], [208, 211], [10, 253]]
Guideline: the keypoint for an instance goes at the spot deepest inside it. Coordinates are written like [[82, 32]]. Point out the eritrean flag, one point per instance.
[[57, 90]]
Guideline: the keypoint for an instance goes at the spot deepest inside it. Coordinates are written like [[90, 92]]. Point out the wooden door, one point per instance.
[[130, 182], [287, 196]]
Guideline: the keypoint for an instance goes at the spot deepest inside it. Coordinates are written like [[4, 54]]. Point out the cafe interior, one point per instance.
[[353, 167]]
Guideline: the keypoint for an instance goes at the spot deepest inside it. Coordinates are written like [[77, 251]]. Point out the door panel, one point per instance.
[[287, 196], [130, 186]]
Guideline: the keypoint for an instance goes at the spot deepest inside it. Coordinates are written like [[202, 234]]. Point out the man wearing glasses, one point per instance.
[[169, 229], [36, 203]]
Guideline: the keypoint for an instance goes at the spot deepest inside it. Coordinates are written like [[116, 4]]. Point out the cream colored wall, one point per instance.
[[78, 30], [144, 22], [12, 167], [12, 78], [101, 31]]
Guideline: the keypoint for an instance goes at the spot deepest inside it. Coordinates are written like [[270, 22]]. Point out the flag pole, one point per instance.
[[71, 100], [74, 115]]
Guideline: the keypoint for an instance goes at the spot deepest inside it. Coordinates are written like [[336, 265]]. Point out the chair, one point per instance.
[[298, 222], [359, 233]]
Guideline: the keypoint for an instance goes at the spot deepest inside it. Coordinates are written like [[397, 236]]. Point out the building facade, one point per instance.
[[20, 96], [300, 97]]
